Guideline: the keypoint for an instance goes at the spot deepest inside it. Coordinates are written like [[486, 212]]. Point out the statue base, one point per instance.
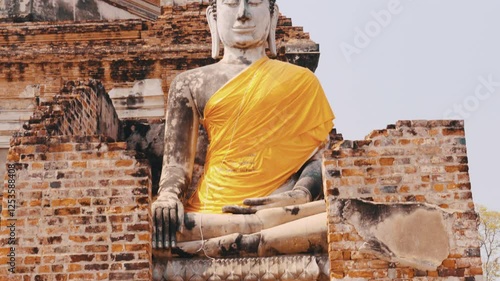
[[297, 267]]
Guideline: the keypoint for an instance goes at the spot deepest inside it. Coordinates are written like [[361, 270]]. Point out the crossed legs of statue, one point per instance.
[[268, 232]]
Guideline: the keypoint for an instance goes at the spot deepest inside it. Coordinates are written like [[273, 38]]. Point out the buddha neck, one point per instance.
[[242, 56]]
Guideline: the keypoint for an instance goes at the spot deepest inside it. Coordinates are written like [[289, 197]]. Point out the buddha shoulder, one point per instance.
[[288, 70], [199, 79]]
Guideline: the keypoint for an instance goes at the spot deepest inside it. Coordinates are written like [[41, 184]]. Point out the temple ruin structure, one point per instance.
[[81, 130]]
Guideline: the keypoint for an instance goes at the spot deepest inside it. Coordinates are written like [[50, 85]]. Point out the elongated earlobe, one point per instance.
[[212, 23], [271, 40]]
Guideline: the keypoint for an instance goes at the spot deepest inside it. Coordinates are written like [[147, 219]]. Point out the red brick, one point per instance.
[[96, 248], [352, 172], [360, 274], [386, 161], [124, 163], [453, 132]]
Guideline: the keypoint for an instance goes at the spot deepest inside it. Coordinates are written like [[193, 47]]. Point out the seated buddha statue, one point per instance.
[[267, 122]]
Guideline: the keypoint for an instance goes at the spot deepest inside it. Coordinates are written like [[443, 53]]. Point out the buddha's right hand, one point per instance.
[[168, 218]]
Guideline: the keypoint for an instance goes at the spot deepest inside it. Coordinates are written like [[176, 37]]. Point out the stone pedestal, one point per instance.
[[300, 268]]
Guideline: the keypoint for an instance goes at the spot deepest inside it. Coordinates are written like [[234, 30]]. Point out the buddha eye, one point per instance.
[[231, 3], [255, 2]]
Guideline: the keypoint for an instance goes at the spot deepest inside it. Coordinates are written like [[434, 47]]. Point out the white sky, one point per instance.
[[425, 63]]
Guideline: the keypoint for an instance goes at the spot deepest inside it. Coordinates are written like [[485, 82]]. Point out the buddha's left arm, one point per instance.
[[310, 180]]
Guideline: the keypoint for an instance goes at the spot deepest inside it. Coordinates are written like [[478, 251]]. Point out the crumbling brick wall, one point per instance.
[[80, 109], [75, 206], [416, 162]]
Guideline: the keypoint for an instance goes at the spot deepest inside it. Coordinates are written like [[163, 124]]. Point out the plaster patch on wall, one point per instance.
[[419, 239], [412, 234]]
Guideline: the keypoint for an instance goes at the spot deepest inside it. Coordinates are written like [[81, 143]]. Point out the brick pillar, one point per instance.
[[419, 162]]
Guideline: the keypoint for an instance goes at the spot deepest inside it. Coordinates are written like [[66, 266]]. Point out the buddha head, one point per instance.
[[243, 24]]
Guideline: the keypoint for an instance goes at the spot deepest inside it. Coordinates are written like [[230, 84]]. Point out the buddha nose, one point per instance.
[[243, 12]]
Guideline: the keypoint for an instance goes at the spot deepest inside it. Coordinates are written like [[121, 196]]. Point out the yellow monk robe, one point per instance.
[[263, 125]]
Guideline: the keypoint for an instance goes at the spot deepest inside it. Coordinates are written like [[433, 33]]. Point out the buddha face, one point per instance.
[[243, 24]]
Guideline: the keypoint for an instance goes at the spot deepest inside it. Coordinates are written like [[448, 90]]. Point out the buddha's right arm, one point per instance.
[[181, 132]]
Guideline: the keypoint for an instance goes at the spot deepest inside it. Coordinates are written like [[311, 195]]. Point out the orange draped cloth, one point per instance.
[[263, 125]]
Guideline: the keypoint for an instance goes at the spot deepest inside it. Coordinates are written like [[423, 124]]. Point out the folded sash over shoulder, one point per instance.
[[263, 125]]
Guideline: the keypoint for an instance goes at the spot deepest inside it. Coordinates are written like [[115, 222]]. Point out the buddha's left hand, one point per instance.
[[287, 198]]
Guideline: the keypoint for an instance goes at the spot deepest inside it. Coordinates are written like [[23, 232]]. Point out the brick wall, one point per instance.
[[81, 211], [412, 161], [76, 205], [82, 108]]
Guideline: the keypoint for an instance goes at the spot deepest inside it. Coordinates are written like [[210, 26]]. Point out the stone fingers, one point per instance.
[[166, 229], [173, 227], [158, 228], [165, 225]]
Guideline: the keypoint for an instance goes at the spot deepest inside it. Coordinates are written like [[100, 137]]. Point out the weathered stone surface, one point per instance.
[[79, 10], [145, 99], [277, 268]]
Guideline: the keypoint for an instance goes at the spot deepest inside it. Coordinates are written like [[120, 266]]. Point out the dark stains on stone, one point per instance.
[[179, 252], [335, 192], [54, 240], [446, 272], [294, 211], [130, 71], [142, 200], [463, 159], [87, 9], [234, 248], [64, 12], [308, 60], [250, 243], [420, 273], [134, 101], [379, 248], [244, 60], [315, 248], [140, 191], [147, 139], [389, 189], [334, 173], [410, 198], [473, 252], [189, 221], [94, 69], [55, 184]]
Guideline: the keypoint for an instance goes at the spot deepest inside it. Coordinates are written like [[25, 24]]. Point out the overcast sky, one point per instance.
[[422, 59]]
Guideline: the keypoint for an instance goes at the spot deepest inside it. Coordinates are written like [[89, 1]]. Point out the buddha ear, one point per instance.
[[212, 23], [271, 40]]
